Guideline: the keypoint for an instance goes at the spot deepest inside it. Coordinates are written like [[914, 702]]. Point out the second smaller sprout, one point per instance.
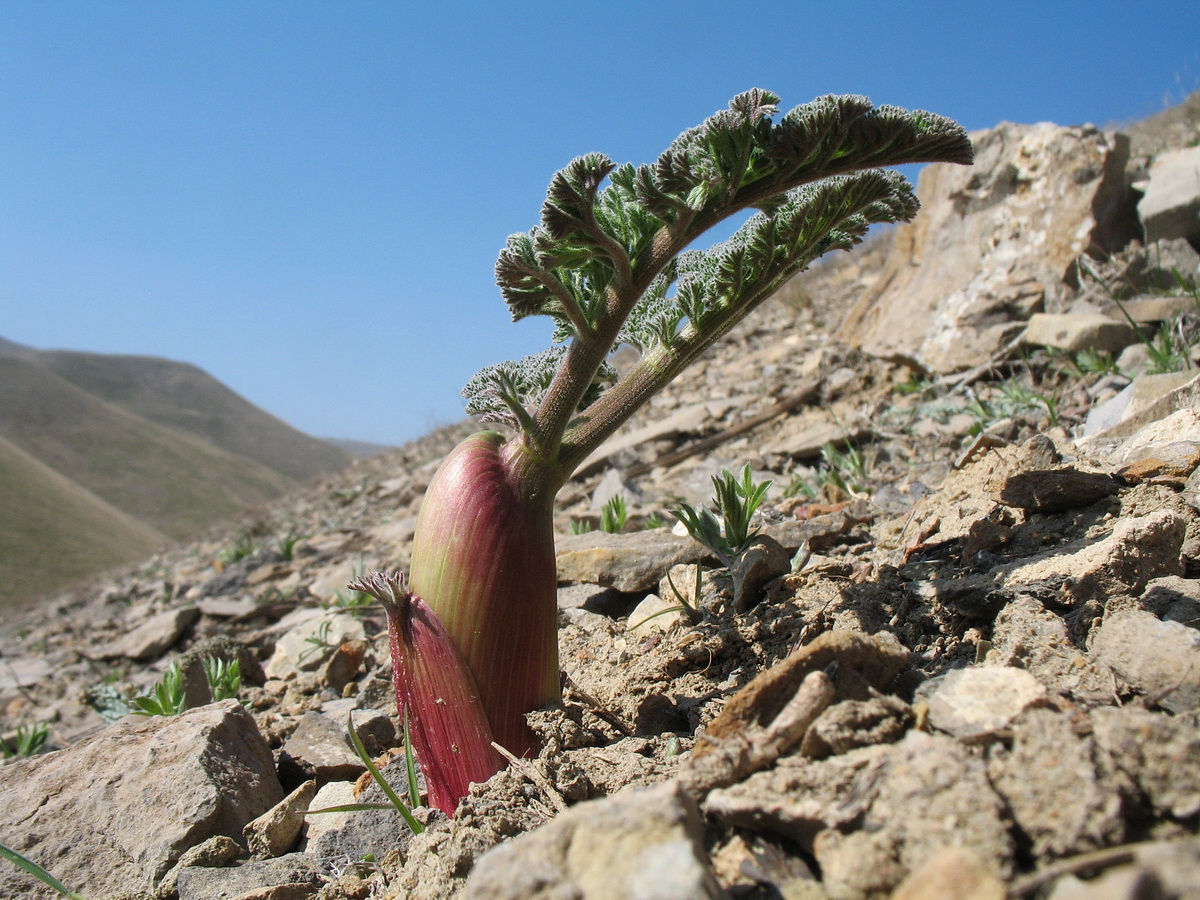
[[737, 499]]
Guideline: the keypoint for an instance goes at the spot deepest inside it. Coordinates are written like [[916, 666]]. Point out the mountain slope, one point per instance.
[[184, 397], [168, 479], [53, 531]]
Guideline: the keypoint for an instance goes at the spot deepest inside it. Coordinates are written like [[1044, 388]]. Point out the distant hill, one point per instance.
[[360, 449], [52, 531], [187, 398], [135, 451]]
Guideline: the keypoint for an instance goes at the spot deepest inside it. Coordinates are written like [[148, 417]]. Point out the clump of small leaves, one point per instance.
[[29, 740], [614, 515], [354, 602], [1090, 361], [224, 678], [729, 533], [242, 548], [846, 470], [1012, 398], [166, 698], [611, 262]]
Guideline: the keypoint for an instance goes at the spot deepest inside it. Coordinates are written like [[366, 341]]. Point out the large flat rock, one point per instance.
[[117, 810]]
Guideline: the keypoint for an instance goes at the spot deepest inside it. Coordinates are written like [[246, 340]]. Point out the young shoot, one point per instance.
[[728, 534], [166, 698], [614, 515]]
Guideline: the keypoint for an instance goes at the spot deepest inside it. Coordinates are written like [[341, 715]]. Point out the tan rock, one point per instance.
[[992, 245]]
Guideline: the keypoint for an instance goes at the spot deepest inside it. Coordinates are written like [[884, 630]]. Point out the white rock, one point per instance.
[[975, 703], [1171, 206]]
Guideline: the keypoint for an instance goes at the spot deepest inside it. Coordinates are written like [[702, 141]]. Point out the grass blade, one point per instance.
[[401, 808], [37, 872]]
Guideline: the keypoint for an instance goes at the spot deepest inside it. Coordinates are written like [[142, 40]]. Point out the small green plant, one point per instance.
[[581, 526], [285, 546], [23, 862], [410, 767], [912, 385], [166, 698], [801, 484], [614, 515], [243, 548], [654, 520], [110, 703], [29, 741], [846, 470], [1090, 361], [736, 499], [1014, 399], [354, 602], [319, 641], [1169, 349], [224, 678]]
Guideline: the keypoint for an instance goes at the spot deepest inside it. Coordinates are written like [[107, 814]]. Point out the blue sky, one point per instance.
[[306, 199]]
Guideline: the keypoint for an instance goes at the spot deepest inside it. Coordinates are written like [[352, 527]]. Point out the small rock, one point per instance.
[[357, 833], [319, 748], [1138, 550], [292, 877], [605, 601], [687, 419], [1072, 332], [856, 723], [1171, 205], [1153, 396], [763, 560], [24, 671], [344, 664], [878, 789], [627, 562], [654, 614], [226, 607], [1160, 753], [1058, 795], [645, 844], [216, 851], [154, 637], [1155, 658], [1173, 599], [613, 484], [276, 831], [1027, 635], [1050, 491], [307, 645], [975, 703], [952, 872]]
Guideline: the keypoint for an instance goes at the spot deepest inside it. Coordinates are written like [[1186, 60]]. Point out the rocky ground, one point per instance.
[[961, 660]]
